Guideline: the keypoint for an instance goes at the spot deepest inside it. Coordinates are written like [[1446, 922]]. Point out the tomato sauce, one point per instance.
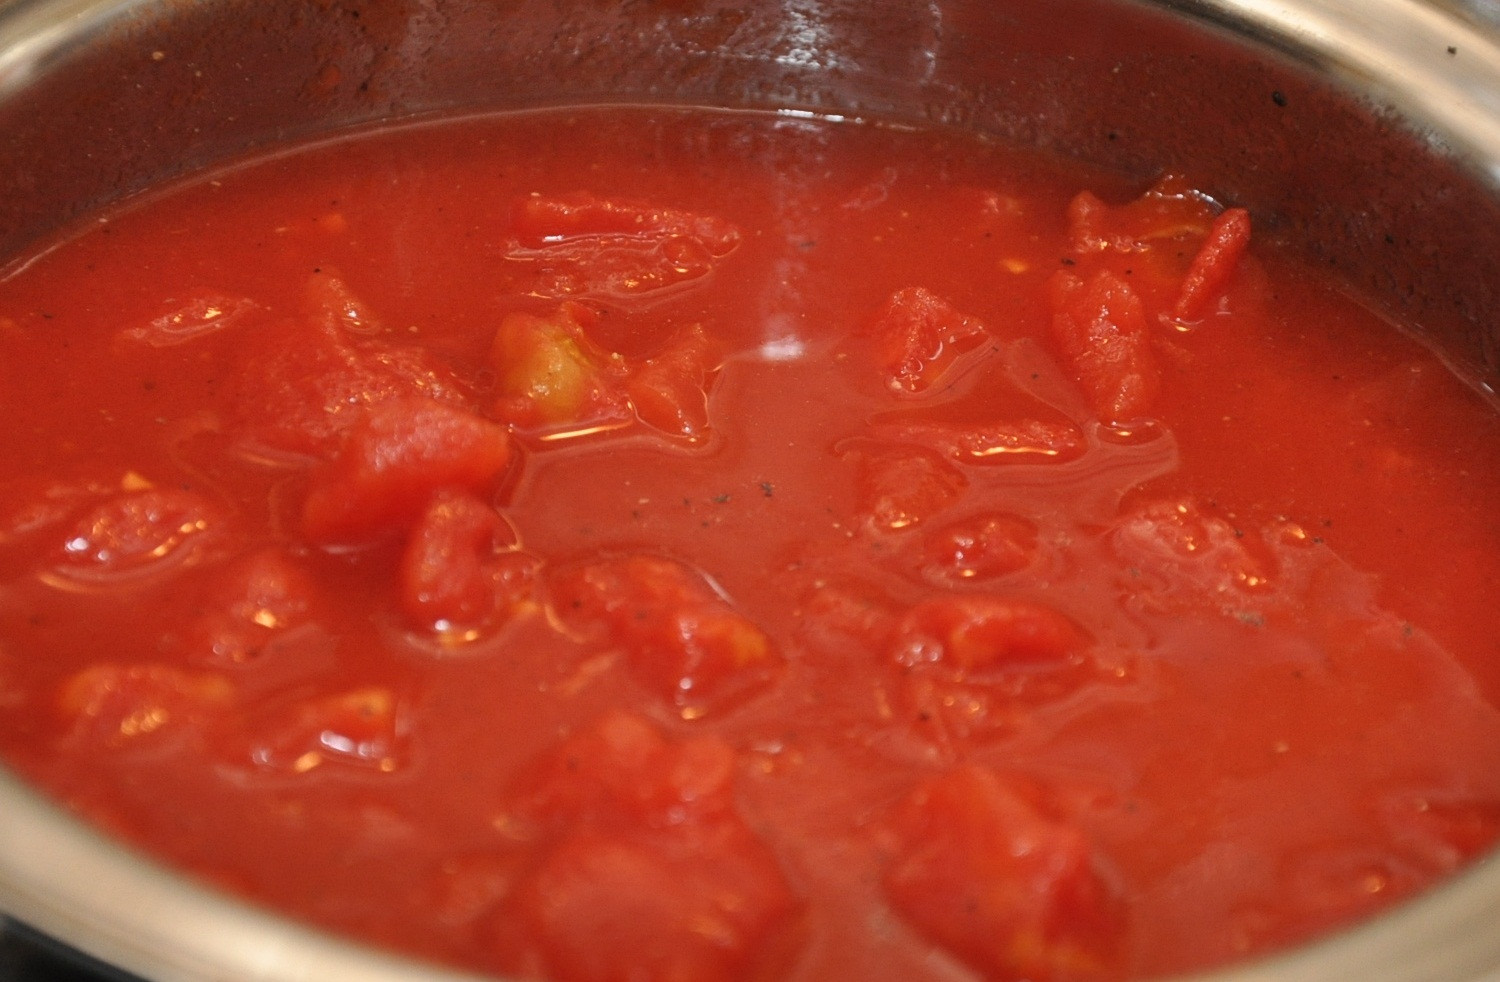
[[627, 543]]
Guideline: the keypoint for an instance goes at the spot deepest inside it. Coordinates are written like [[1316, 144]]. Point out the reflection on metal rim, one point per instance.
[[1438, 73]]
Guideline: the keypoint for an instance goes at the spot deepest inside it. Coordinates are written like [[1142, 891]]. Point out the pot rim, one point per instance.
[[1440, 74]]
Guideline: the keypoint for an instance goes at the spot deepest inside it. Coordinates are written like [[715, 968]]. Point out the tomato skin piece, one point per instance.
[[196, 315], [1026, 441], [580, 243], [1101, 331], [682, 640], [1214, 265], [392, 463], [975, 634], [540, 219], [922, 339], [1010, 891]]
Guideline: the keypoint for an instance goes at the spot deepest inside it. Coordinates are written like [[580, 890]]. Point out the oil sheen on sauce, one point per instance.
[[647, 544]]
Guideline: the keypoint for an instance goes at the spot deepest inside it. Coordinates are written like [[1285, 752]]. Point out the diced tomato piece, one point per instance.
[[548, 374], [460, 568], [330, 302], [253, 601], [1087, 215], [623, 771], [118, 705], [393, 461], [540, 219], [978, 868], [903, 486], [975, 634], [683, 908], [1182, 552], [670, 391], [1169, 210], [267, 589], [1029, 441], [682, 639], [140, 534], [922, 339], [200, 313], [844, 617], [1214, 264], [1145, 241], [980, 547], [301, 384], [364, 728], [651, 873], [1101, 331], [627, 589]]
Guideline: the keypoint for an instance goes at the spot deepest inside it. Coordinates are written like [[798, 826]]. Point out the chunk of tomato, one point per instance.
[[975, 634], [679, 907], [301, 384], [460, 567], [1015, 893], [254, 600], [646, 870], [140, 534], [1214, 265], [394, 459], [1100, 329], [902, 486], [683, 640], [922, 340], [623, 771], [363, 728], [114, 706], [982, 546], [670, 391], [1168, 211]]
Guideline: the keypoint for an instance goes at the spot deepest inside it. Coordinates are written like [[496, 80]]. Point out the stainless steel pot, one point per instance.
[[1365, 132]]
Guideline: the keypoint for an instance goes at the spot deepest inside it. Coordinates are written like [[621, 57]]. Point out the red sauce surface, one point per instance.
[[649, 544]]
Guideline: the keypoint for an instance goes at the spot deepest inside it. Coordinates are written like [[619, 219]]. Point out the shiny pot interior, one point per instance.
[[1364, 132]]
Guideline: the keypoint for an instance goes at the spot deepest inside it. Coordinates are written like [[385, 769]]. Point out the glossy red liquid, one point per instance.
[[724, 546]]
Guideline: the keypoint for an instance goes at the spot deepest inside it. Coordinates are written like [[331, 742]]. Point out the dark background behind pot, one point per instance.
[[26, 956]]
